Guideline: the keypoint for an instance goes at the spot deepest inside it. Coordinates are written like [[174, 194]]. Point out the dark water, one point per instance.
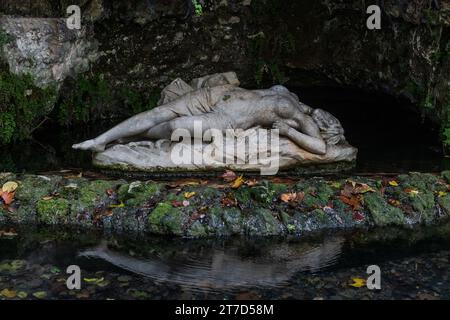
[[414, 264], [390, 137]]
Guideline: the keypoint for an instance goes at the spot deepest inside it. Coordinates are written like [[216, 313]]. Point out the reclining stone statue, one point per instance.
[[216, 102]]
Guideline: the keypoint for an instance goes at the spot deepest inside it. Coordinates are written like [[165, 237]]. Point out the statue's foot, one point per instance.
[[91, 145]]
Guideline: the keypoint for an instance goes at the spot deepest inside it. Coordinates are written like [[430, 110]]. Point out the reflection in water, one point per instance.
[[226, 268], [156, 268]]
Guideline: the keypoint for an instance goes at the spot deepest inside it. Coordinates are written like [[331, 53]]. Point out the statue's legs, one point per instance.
[[204, 122], [133, 126], [194, 103]]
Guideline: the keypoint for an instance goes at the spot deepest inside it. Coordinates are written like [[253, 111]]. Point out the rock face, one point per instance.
[[46, 49], [143, 44], [197, 208]]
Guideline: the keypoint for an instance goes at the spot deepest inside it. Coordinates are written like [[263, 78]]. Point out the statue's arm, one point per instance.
[[312, 144]]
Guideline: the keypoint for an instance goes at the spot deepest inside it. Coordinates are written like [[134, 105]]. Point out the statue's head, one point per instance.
[[330, 127]]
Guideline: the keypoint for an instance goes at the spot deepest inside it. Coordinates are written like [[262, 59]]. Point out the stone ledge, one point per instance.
[[198, 209]]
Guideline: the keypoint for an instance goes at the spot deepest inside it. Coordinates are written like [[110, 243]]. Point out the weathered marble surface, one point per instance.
[[307, 135]]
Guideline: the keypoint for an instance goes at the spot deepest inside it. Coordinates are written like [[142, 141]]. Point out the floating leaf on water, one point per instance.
[[358, 282], [40, 295], [8, 293], [94, 280], [13, 265], [55, 270]]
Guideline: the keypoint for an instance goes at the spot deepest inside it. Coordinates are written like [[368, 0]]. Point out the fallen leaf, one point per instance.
[[40, 294], [8, 233], [353, 201], [363, 188], [393, 183], [287, 197], [358, 216], [94, 280], [47, 198], [442, 194], [177, 204], [229, 201], [394, 202], [120, 205], [292, 196], [358, 282], [412, 191], [238, 182], [8, 197], [8, 293], [10, 186], [189, 195]]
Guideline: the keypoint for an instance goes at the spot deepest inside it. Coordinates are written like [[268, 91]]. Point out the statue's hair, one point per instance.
[[330, 127]]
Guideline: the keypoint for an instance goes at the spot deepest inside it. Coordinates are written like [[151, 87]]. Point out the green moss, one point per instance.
[[233, 219], [4, 38], [92, 192], [33, 188], [444, 202], [197, 230], [263, 223], [87, 98], [90, 97], [138, 193], [446, 175], [136, 102], [165, 219], [54, 211], [23, 106], [382, 213]]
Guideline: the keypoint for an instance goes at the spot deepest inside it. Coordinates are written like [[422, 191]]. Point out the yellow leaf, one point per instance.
[[358, 282], [47, 198], [10, 186], [94, 280], [40, 294], [121, 205], [8, 293], [393, 183], [189, 195], [238, 182], [442, 194]]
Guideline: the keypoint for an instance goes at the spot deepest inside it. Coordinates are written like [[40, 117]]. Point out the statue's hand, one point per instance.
[[281, 126]]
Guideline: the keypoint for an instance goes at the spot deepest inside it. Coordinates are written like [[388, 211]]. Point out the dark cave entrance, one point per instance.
[[390, 135]]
